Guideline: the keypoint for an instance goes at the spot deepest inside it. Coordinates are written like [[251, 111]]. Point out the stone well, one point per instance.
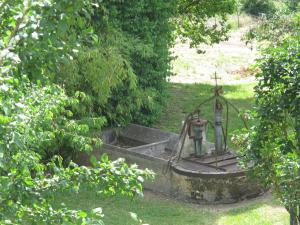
[[211, 179]]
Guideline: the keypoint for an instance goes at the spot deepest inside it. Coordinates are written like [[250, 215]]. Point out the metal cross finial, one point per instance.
[[216, 78], [217, 89]]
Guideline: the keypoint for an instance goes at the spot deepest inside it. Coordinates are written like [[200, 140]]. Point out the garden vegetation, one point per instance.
[[273, 145], [71, 67], [68, 68]]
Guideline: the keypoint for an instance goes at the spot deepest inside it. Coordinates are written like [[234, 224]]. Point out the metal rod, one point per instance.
[[238, 111], [204, 164]]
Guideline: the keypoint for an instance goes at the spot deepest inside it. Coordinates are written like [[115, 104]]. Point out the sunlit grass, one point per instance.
[[259, 214], [158, 210], [183, 99], [240, 21]]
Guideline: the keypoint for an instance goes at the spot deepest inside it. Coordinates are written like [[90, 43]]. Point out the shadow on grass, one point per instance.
[[151, 209], [160, 210]]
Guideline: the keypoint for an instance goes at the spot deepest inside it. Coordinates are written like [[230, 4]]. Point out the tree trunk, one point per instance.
[[298, 214], [294, 219]]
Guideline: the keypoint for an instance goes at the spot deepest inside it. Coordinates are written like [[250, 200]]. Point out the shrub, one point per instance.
[[144, 39], [258, 7], [293, 4], [147, 33], [39, 117], [37, 125], [273, 145], [107, 83]]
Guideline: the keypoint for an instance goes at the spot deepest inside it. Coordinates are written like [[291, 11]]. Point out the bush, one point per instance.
[[144, 38], [39, 117], [37, 124], [106, 83], [273, 144], [258, 7], [275, 29], [293, 4]]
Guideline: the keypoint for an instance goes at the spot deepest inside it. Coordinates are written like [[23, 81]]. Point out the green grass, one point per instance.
[[157, 210], [184, 98], [245, 20]]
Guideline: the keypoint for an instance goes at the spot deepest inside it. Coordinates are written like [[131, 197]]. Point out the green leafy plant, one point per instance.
[[101, 76], [203, 21], [273, 145], [293, 4], [275, 29], [42, 33], [259, 7], [35, 126], [38, 129]]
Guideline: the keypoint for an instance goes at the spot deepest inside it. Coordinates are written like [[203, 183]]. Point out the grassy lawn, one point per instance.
[[185, 97], [158, 210]]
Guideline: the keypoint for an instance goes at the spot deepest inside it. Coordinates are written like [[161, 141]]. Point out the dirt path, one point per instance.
[[230, 59]]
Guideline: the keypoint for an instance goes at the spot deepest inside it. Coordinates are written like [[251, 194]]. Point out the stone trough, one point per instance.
[[211, 179]]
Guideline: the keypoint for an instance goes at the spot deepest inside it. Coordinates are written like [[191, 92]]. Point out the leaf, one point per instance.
[[4, 119], [29, 181], [104, 158], [82, 214], [93, 160]]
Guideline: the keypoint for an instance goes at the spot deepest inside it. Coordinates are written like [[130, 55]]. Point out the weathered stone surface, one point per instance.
[[150, 135], [150, 148]]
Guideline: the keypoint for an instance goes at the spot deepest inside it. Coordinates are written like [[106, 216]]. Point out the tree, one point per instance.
[[259, 7], [144, 31], [293, 4], [203, 21], [273, 145], [38, 128], [37, 123]]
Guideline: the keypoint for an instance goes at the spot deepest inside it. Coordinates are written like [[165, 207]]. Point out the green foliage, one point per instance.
[[258, 7], [41, 119], [37, 123], [293, 4], [275, 29], [143, 34], [102, 75], [203, 21], [144, 31], [140, 32], [273, 145], [42, 33]]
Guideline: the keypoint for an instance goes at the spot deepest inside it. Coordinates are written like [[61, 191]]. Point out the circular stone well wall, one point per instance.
[[214, 187]]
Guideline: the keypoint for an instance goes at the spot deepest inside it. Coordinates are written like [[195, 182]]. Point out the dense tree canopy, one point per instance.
[[273, 145], [68, 67]]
